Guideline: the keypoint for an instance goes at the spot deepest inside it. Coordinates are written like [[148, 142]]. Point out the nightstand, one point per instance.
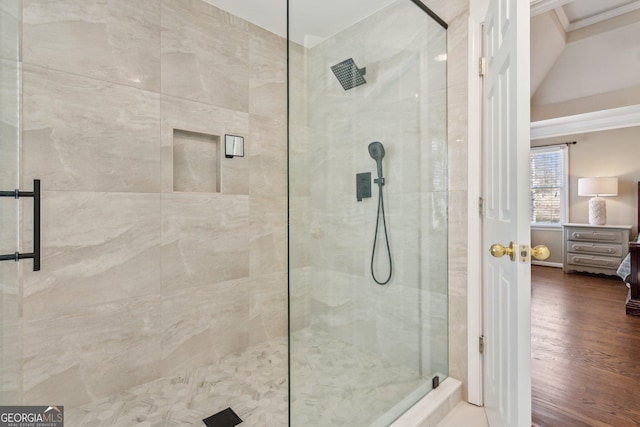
[[594, 248]]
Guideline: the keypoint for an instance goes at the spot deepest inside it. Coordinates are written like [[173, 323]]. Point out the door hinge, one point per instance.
[[481, 344], [482, 66], [481, 206]]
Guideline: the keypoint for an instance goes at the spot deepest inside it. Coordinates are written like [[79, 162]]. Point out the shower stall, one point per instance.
[[160, 295], [368, 308]]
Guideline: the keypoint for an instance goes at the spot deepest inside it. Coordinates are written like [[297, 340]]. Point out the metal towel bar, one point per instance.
[[35, 255]]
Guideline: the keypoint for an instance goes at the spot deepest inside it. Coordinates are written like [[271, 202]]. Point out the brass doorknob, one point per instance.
[[497, 250], [540, 252]]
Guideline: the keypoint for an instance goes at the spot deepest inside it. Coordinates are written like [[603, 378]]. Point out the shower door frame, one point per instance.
[[444, 26], [11, 116]]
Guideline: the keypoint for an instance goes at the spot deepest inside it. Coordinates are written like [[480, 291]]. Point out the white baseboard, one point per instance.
[[547, 264]]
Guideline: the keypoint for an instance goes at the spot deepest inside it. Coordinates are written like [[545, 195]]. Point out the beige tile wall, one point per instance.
[[137, 280], [103, 77]]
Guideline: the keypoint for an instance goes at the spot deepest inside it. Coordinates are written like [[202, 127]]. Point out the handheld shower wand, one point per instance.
[[376, 151]]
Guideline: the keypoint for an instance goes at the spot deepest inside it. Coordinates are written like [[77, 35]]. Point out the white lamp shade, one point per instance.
[[602, 186]]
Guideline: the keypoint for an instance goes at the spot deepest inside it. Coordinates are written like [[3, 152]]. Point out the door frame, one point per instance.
[[587, 122], [477, 13]]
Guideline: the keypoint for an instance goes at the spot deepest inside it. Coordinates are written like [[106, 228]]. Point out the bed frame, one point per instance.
[[633, 299]]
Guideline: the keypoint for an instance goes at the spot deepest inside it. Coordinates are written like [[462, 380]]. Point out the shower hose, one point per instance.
[[386, 236]]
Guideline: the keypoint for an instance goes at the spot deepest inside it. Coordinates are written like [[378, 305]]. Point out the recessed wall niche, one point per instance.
[[196, 162]]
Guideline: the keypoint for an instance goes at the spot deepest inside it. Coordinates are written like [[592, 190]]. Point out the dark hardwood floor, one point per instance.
[[585, 351]]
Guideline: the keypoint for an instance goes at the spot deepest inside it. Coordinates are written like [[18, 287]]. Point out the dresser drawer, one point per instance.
[[608, 236], [595, 248], [593, 261]]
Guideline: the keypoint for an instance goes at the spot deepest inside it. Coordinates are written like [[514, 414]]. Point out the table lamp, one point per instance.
[[601, 186]]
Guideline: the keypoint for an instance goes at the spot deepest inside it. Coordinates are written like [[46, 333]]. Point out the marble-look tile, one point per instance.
[[336, 383], [184, 115], [458, 349], [196, 162], [93, 352], [458, 138], [457, 51], [205, 57], [268, 307], [299, 298], [268, 155], [300, 232], [299, 141], [205, 239], [434, 220], [96, 248], [342, 236], [268, 74], [116, 41], [87, 135], [9, 127], [268, 234], [252, 382], [203, 323], [10, 325], [10, 14], [457, 245], [299, 159]]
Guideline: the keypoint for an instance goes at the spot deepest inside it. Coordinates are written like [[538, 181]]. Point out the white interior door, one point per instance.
[[505, 188]]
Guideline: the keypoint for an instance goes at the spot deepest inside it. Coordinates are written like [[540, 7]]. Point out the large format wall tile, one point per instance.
[[268, 234], [268, 307], [205, 57], [85, 134], [191, 116], [136, 284], [205, 239], [92, 352], [267, 78], [9, 124], [403, 105], [116, 41], [96, 248], [201, 324], [10, 24], [268, 155]]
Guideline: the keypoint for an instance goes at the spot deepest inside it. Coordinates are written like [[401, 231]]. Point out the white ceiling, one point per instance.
[[580, 14], [603, 56]]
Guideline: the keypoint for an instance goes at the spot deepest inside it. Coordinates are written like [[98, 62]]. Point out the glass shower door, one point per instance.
[[10, 346], [367, 168]]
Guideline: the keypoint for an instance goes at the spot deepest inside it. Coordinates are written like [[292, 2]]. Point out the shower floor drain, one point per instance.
[[224, 418]]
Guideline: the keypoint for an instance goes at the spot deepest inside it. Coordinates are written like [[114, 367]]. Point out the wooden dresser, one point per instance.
[[594, 248]]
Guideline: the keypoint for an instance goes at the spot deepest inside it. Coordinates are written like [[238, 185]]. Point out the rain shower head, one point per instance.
[[348, 74]]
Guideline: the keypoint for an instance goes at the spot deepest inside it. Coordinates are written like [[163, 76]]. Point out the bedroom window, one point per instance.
[[548, 182]]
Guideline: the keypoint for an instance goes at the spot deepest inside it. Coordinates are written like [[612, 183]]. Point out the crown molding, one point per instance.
[[614, 118], [538, 7]]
